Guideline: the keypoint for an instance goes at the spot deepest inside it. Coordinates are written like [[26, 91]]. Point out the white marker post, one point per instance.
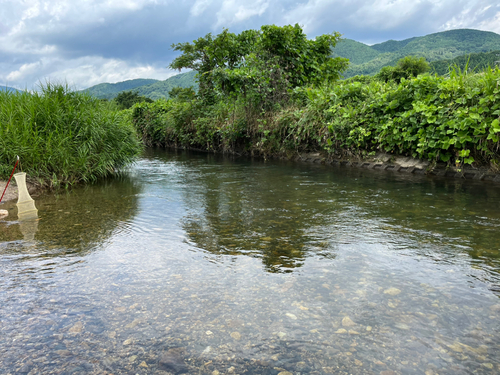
[[26, 209]]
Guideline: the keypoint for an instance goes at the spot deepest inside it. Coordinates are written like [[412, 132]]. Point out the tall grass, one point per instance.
[[63, 137]]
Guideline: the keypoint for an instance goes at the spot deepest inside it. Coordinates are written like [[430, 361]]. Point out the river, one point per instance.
[[195, 263]]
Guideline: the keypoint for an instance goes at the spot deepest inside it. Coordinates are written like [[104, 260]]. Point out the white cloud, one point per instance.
[[233, 12], [24, 71], [199, 7], [491, 24]]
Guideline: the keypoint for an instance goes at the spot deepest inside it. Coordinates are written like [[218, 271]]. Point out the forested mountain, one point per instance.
[[473, 62], [150, 88], [160, 89], [110, 90], [434, 47]]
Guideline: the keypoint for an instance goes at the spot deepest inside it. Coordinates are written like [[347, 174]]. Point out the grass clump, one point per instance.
[[63, 137]]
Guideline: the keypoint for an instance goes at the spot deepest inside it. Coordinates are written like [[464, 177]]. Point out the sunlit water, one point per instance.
[[192, 263]]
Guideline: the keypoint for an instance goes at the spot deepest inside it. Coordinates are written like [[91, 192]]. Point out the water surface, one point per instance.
[[194, 263]]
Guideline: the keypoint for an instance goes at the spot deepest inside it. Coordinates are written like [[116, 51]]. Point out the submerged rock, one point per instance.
[[236, 335], [173, 360], [392, 291], [77, 328], [347, 322]]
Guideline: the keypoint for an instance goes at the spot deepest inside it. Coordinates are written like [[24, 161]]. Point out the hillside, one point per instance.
[[110, 90], [356, 52], [434, 47], [150, 88], [160, 89]]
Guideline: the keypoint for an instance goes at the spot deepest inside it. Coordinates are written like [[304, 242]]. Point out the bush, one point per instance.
[[407, 67], [63, 137]]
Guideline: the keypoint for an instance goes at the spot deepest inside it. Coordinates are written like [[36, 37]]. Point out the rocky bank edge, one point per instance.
[[388, 162]]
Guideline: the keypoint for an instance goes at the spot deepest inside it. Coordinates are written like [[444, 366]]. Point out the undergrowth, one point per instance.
[[453, 119]]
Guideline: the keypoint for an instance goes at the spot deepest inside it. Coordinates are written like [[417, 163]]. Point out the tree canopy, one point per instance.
[[262, 65]]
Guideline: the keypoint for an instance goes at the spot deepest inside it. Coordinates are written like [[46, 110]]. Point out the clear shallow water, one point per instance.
[[192, 263]]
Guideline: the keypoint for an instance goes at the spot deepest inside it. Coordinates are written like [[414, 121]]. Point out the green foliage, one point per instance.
[[272, 91], [63, 137], [454, 119], [127, 99], [261, 66], [430, 117], [182, 93], [408, 67]]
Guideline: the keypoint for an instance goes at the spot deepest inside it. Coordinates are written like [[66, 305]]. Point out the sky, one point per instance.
[[87, 42]]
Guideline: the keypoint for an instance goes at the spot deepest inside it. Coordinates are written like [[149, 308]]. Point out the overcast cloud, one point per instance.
[[87, 42]]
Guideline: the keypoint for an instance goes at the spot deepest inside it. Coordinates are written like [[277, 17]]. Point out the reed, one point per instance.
[[63, 137]]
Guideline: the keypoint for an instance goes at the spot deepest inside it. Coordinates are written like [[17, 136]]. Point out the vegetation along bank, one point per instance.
[[63, 137], [272, 92]]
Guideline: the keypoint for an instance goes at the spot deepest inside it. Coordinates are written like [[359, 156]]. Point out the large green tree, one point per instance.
[[260, 65]]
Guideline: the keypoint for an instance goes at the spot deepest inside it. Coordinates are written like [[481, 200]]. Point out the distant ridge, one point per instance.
[[150, 88], [444, 45], [110, 90]]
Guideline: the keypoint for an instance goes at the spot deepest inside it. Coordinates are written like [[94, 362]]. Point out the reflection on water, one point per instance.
[[193, 263]]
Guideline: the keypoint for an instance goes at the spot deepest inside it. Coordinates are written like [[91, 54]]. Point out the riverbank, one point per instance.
[[450, 123], [401, 164], [12, 192]]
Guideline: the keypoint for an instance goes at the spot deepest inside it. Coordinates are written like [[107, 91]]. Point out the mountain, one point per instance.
[[160, 89], [150, 88], [434, 47], [110, 90], [9, 89]]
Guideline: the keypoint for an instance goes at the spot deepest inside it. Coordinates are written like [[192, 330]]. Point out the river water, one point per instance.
[[195, 263]]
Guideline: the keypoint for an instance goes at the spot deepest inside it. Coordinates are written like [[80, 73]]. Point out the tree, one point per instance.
[[127, 99], [260, 65], [407, 67], [182, 94]]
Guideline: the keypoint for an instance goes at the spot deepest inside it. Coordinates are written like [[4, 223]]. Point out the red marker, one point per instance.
[[8, 182]]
